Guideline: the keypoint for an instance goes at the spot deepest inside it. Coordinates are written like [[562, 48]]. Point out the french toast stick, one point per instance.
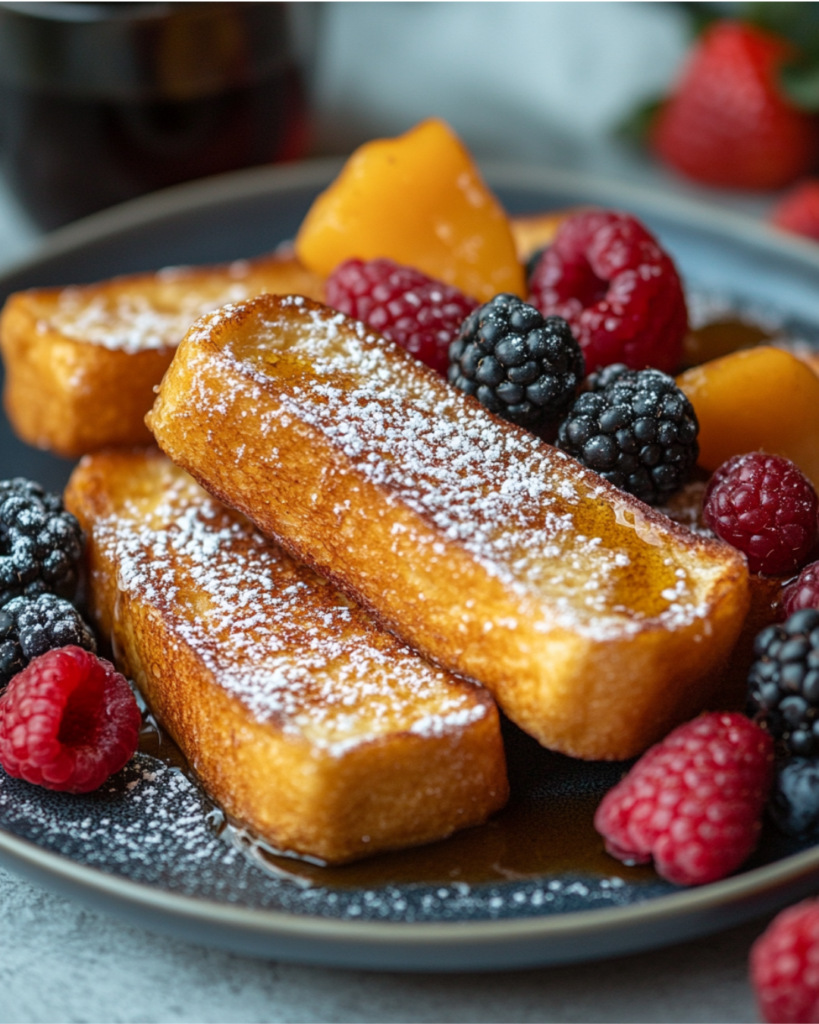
[[303, 719], [596, 622], [81, 363]]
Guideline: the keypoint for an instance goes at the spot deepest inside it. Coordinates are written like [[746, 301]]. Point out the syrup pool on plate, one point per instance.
[[545, 830]]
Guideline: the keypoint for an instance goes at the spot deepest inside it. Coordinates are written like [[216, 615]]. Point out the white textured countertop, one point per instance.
[[59, 962]]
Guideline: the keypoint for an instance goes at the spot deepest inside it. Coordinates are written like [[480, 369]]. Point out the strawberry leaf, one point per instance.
[[796, 22], [701, 16], [636, 127], [800, 81]]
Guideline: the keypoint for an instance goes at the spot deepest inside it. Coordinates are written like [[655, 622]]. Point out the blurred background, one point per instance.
[[101, 102]]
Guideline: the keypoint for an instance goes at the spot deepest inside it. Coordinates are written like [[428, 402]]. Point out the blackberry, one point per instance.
[[601, 379], [517, 363], [40, 543], [636, 429], [30, 626], [783, 683], [794, 802]]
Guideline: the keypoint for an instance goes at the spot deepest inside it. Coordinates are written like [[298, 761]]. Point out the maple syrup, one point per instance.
[[68, 157], [545, 830], [103, 102]]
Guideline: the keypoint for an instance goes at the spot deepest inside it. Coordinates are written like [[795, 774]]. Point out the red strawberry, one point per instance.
[[798, 210], [728, 122]]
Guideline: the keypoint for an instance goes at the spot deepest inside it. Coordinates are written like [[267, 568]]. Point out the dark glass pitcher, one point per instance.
[[100, 102]]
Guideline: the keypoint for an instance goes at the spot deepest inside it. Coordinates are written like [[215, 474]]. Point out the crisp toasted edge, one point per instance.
[[572, 692], [70, 396], [391, 792]]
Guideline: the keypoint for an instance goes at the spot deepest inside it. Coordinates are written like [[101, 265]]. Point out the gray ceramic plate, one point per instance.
[[533, 886]]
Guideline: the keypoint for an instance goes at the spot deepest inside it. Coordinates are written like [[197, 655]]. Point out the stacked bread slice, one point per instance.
[[324, 734], [82, 362]]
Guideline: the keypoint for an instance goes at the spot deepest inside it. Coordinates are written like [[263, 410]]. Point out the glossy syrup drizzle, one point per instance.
[[546, 829]]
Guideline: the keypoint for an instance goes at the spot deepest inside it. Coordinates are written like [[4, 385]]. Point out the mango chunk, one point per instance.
[[417, 199], [760, 399]]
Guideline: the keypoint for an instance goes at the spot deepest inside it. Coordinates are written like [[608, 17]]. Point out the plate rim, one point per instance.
[[259, 181], [757, 883]]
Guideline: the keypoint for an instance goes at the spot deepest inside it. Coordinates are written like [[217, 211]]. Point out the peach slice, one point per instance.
[[419, 200], [759, 399]]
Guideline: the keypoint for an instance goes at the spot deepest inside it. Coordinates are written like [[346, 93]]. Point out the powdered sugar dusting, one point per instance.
[[152, 825], [274, 635], [533, 519], [132, 315]]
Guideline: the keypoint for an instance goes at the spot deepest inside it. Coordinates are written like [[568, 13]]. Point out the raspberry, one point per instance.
[[798, 210], [694, 801], [518, 364], [803, 592], [620, 293], [785, 966], [68, 722], [416, 312], [636, 429], [783, 682], [729, 122], [764, 506]]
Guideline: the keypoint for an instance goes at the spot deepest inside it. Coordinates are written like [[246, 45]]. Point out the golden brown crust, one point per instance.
[[68, 396], [82, 363], [366, 748], [596, 623]]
